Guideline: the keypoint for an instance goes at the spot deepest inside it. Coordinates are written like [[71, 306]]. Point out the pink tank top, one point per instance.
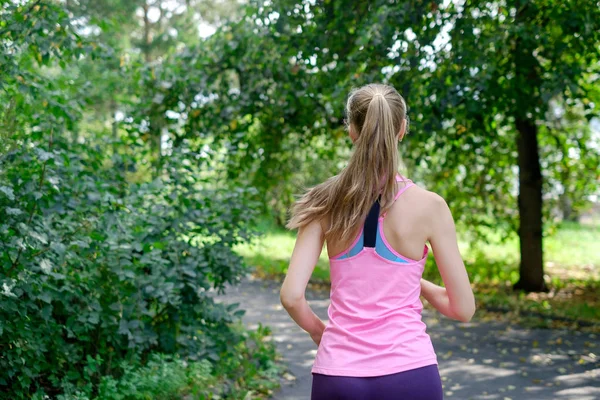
[[375, 325]]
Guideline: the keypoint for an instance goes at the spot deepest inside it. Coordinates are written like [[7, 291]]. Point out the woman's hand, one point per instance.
[[318, 333], [316, 337], [438, 297]]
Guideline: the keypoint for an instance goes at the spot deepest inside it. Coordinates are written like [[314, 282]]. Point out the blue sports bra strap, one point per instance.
[[370, 230]]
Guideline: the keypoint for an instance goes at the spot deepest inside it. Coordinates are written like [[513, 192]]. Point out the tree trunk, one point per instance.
[[527, 82], [566, 207], [115, 123], [157, 139], [147, 39], [115, 134], [155, 126], [531, 269]]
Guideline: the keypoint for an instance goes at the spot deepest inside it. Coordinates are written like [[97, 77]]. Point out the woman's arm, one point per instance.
[[437, 296], [456, 299], [307, 250]]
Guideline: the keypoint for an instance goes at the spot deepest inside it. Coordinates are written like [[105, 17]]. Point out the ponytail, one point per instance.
[[376, 113]]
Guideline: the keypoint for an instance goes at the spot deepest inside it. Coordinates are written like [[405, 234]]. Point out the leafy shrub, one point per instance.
[[98, 275], [96, 271], [249, 372], [251, 369], [164, 377]]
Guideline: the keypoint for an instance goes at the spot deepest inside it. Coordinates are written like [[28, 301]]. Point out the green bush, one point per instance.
[[97, 272], [251, 369], [163, 377], [248, 372]]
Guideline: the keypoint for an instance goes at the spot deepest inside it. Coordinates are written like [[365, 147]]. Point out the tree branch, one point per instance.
[[31, 7]]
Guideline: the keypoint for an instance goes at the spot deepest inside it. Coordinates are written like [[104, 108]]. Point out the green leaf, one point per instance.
[[46, 266], [8, 191], [13, 211]]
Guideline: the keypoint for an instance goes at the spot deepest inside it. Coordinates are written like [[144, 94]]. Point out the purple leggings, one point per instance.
[[416, 384]]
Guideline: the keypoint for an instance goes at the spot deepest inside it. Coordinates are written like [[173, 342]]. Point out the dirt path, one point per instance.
[[478, 360]]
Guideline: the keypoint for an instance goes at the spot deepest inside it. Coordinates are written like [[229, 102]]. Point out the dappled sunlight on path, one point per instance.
[[478, 360]]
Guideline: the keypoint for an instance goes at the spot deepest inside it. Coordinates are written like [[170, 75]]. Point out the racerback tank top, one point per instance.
[[375, 325]]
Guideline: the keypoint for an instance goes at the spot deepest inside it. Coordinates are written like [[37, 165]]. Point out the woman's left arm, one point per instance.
[[307, 250]]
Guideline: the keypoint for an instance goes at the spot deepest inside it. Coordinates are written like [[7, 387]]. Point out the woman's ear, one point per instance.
[[402, 130], [352, 133]]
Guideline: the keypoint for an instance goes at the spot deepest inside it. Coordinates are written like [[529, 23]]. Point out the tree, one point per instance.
[[480, 75], [98, 274], [503, 65], [143, 34], [569, 145], [274, 106]]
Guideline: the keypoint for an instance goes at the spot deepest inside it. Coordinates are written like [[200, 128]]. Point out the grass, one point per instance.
[[572, 267], [270, 255]]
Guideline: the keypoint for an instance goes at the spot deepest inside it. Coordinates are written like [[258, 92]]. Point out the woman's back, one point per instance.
[[407, 225], [375, 325], [375, 345]]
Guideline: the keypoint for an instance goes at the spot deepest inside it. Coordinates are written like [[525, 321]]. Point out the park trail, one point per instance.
[[477, 360]]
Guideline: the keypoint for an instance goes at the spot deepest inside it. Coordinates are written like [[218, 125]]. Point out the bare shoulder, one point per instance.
[[433, 208], [437, 203], [429, 201]]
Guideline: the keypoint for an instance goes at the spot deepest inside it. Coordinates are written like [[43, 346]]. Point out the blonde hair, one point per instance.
[[376, 112]]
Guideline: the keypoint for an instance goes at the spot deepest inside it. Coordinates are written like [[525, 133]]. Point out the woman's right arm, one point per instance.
[[455, 300]]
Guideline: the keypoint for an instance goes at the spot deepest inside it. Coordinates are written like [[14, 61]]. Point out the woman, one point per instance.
[[376, 225]]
